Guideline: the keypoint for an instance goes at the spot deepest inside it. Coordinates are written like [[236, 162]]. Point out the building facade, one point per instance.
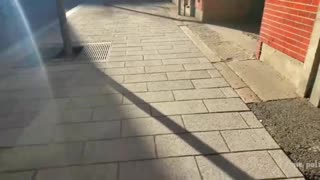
[[289, 35]]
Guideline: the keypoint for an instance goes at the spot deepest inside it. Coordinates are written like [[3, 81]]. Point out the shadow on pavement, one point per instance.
[[57, 86]]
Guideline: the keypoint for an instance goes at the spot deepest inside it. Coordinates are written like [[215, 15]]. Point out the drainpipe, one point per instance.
[[179, 7], [193, 8], [315, 95]]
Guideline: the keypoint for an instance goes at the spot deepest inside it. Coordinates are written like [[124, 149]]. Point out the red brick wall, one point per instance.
[[287, 25]]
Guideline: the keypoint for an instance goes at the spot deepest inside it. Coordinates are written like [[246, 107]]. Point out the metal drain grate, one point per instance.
[[94, 52], [53, 55]]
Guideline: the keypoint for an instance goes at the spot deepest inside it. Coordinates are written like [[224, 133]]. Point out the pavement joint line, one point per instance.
[[150, 114], [130, 137], [197, 164], [205, 105], [155, 146], [276, 162], [225, 142], [136, 160]]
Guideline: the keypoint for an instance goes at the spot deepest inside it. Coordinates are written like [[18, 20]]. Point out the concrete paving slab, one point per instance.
[[182, 168], [42, 156], [188, 75], [210, 83], [105, 113], [225, 105], [148, 97], [145, 77], [198, 94], [155, 125], [92, 172], [27, 175], [119, 150], [185, 144], [87, 131], [213, 121], [249, 139], [244, 165], [177, 108], [266, 82], [251, 120], [289, 169], [169, 85]]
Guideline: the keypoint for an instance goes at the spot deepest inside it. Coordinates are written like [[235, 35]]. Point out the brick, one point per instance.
[[148, 97], [187, 75], [251, 119], [93, 101], [119, 150], [198, 94], [169, 85], [165, 68], [286, 165], [143, 63], [182, 168], [32, 157], [244, 165], [200, 66], [188, 144], [156, 125], [77, 115], [210, 83], [216, 121], [223, 105], [121, 112], [124, 71], [87, 131], [94, 172], [249, 139], [145, 77], [17, 176], [175, 108]]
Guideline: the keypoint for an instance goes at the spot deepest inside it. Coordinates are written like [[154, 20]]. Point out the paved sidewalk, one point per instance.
[[156, 109]]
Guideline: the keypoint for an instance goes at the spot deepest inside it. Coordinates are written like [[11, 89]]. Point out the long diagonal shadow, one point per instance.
[[192, 140]]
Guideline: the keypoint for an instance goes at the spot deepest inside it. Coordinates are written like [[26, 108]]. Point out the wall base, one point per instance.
[[287, 66]]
